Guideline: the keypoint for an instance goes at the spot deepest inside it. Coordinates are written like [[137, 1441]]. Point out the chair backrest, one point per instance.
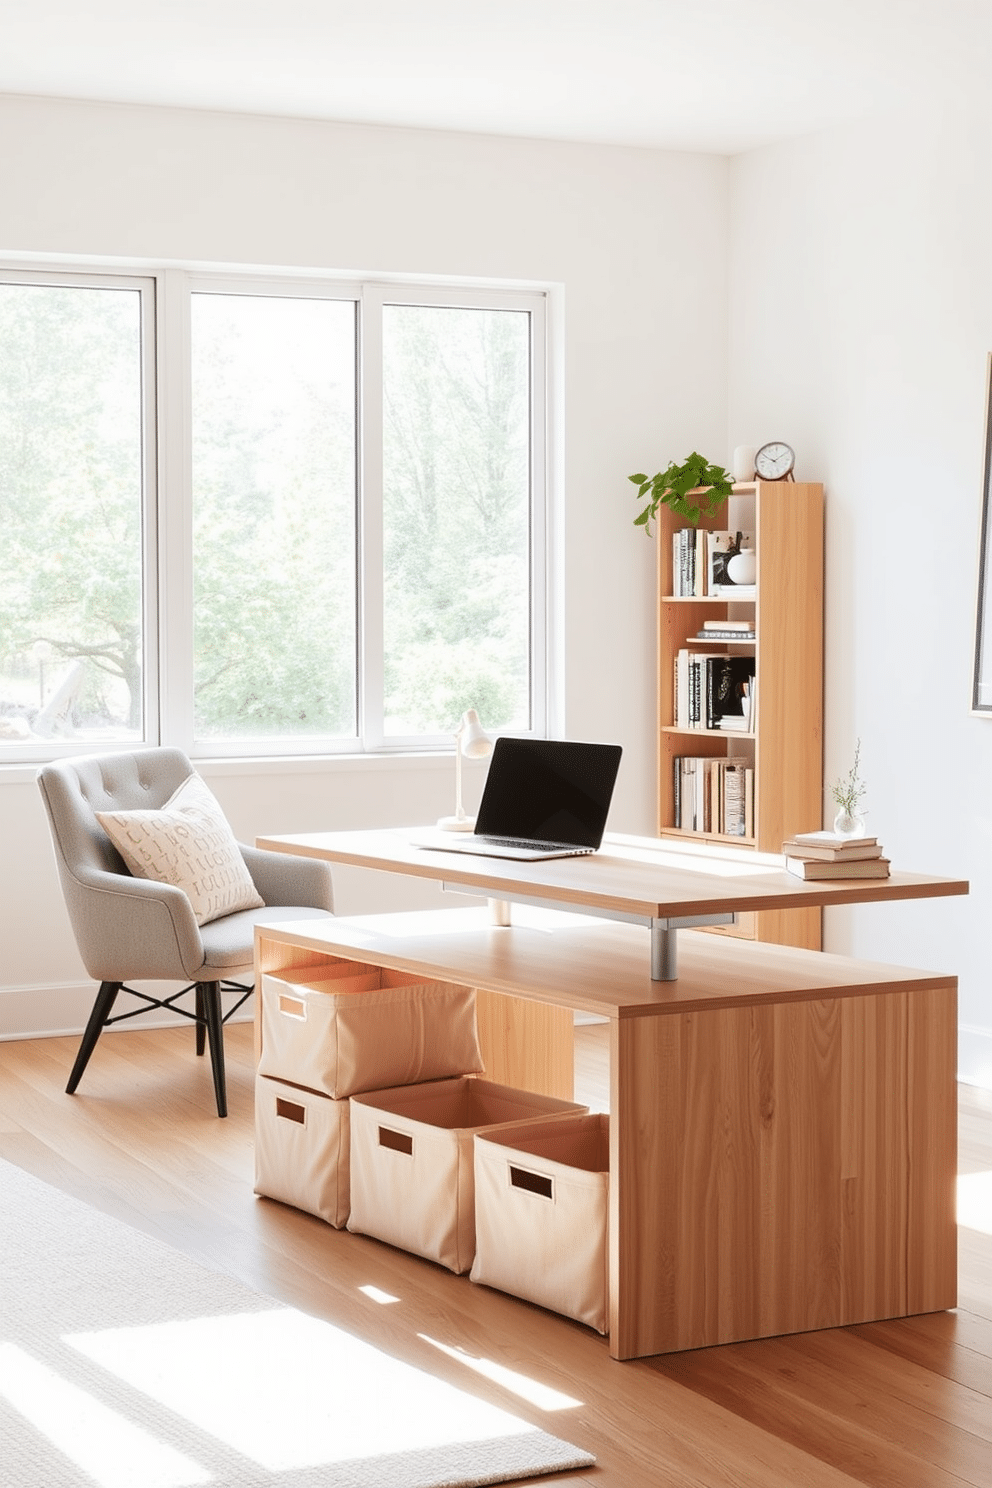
[[74, 790]]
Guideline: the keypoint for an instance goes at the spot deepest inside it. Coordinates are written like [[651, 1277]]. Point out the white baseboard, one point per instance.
[[62, 1011]]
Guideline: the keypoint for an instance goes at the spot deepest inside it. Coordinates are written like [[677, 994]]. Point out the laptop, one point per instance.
[[543, 798]]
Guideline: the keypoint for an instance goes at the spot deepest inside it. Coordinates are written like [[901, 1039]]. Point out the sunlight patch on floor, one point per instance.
[[109, 1449], [543, 1396], [378, 1295], [290, 1391]]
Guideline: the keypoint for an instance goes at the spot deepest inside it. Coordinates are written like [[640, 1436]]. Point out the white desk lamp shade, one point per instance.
[[473, 742]]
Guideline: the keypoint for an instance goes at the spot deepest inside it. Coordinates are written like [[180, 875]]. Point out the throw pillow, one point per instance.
[[189, 843]]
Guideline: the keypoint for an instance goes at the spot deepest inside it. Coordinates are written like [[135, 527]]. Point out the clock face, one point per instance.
[[774, 461]]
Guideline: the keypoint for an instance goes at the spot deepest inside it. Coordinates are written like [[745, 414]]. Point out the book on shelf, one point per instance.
[[680, 690], [688, 563], [811, 868], [725, 635], [734, 625], [720, 548], [735, 591], [714, 795], [707, 688], [734, 805], [832, 839], [827, 853]]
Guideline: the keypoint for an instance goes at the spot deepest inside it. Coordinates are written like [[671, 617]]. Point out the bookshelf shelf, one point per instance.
[[784, 752], [706, 599], [717, 839], [722, 641], [695, 733]]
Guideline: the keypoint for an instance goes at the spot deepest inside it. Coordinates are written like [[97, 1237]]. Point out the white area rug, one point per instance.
[[124, 1364]]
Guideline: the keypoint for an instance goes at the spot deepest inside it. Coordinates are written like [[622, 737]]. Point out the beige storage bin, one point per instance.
[[302, 1149], [345, 1027], [542, 1196], [412, 1163]]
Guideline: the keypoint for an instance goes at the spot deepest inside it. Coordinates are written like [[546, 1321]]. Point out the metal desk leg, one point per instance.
[[664, 943], [664, 952]]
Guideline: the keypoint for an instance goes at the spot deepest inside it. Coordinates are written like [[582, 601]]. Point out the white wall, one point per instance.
[[643, 331], [861, 293]]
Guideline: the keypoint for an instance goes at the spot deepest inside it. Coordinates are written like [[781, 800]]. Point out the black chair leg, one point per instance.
[[102, 1008], [215, 1033], [201, 1027]]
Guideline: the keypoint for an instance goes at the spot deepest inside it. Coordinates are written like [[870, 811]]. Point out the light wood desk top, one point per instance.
[[647, 877], [594, 966]]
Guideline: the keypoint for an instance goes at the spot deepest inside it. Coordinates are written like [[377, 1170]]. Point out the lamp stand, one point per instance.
[[459, 822]]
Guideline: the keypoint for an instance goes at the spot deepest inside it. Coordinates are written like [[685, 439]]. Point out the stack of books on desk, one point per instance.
[[818, 855]]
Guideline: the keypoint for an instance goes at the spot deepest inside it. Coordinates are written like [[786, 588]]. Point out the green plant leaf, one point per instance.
[[710, 484]]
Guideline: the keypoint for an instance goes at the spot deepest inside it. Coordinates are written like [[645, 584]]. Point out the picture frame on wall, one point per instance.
[[981, 692]]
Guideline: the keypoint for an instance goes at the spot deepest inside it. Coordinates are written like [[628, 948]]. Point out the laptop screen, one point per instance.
[[548, 790]]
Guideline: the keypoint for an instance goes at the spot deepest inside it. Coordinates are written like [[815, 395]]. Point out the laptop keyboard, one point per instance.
[[529, 842]]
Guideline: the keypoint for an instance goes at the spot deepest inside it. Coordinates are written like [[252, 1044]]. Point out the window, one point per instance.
[[456, 516], [268, 516], [73, 603]]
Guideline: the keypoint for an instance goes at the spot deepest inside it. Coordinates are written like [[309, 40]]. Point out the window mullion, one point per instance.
[[370, 524], [539, 576], [175, 510], [152, 587]]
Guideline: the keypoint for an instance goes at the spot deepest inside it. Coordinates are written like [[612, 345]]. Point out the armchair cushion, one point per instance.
[[189, 844]]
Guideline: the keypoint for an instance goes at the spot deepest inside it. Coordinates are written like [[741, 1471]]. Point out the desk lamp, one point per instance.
[[473, 742]]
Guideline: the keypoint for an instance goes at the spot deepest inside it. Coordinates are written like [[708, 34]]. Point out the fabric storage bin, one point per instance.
[[412, 1163], [541, 1208], [302, 1149], [346, 1027]]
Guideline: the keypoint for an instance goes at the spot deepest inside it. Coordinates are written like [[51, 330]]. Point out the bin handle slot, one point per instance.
[[293, 1007], [396, 1141], [537, 1183], [291, 1110]]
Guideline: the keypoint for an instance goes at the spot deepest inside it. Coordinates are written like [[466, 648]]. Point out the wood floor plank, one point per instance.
[[936, 1343], [897, 1403], [809, 1392], [910, 1392]]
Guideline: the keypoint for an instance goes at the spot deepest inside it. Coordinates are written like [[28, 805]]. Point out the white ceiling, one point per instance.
[[714, 75]]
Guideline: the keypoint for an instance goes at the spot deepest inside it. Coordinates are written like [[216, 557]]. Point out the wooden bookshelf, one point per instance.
[[786, 748]]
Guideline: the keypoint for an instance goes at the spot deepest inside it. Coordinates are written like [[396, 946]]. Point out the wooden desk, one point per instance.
[[645, 880], [783, 1122]]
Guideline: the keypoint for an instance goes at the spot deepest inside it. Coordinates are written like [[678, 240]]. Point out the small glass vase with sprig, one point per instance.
[[848, 793]]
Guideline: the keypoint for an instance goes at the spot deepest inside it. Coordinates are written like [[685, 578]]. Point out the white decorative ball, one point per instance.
[[742, 568]]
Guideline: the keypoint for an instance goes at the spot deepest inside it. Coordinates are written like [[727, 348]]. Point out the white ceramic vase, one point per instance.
[[743, 462]]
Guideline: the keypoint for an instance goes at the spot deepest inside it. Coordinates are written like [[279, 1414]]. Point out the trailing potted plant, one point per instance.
[[692, 489]]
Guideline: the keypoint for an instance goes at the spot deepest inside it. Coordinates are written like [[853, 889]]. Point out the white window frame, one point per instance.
[[30, 751], [168, 507], [375, 296]]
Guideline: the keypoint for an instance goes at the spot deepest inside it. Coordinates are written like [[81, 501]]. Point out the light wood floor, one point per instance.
[[905, 1404]]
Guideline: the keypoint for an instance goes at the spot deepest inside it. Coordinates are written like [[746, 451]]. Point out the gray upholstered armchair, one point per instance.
[[130, 928]]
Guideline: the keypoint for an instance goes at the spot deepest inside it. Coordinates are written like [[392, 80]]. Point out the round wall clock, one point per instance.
[[774, 461]]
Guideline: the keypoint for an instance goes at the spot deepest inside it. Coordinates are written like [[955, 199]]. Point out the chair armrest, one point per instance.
[[283, 878], [128, 928]]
